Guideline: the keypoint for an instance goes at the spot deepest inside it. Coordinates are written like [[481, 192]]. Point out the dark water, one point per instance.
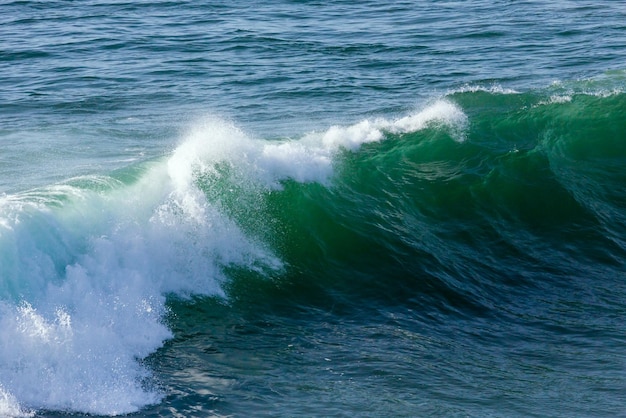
[[309, 209]]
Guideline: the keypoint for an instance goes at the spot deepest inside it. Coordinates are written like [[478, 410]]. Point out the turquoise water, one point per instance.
[[293, 208]]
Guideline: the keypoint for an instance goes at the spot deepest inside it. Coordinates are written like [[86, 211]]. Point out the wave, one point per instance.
[[85, 274], [474, 180], [87, 265]]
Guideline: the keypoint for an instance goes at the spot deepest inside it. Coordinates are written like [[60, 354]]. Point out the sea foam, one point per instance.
[[85, 274], [309, 158]]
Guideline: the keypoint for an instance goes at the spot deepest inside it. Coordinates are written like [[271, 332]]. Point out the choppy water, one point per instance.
[[305, 209]]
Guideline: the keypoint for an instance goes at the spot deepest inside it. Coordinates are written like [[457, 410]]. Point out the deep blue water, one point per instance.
[[302, 208]]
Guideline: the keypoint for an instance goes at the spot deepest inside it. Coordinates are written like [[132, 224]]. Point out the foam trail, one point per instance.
[[308, 159], [442, 111]]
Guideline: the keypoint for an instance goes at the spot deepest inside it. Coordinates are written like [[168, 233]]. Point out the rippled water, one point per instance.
[[293, 208]]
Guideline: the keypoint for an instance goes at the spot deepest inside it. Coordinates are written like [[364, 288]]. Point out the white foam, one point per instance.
[[494, 89], [307, 159], [443, 111], [10, 408], [212, 142], [84, 279], [79, 356], [555, 99]]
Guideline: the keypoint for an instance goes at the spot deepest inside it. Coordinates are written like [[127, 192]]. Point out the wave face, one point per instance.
[[481, 239]]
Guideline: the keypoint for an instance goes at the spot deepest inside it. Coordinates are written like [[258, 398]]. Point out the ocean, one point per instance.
[[297, 208]]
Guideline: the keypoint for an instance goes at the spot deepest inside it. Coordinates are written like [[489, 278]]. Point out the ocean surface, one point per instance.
[[313, 209]]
